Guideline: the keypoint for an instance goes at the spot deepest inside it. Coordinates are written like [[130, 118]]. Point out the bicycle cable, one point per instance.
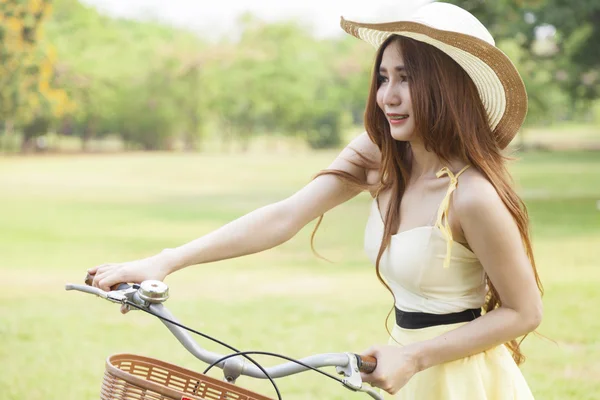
[[244, 353], [210, 338]]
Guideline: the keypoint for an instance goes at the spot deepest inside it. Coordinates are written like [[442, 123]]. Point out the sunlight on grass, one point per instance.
[[62, 214]]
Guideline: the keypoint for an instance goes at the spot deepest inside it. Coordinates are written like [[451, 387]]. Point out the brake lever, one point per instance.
[[123, 295], [353, 379]]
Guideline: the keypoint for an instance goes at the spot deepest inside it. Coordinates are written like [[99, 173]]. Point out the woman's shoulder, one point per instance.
[[475, 194], [362, 151]]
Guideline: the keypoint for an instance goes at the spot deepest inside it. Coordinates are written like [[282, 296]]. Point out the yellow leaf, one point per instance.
[[14, 24]]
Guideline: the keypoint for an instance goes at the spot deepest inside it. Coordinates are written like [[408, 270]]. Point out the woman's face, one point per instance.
[[393, 94]]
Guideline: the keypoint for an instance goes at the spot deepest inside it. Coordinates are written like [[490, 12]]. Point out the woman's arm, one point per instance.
[[494, 237], [275, 224], [259, 230]]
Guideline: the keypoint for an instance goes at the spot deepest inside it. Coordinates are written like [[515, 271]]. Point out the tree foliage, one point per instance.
[[158, 87], [561, 36], [28, 96]]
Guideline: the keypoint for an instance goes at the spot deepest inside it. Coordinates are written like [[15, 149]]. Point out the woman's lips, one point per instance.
[[397, 121]]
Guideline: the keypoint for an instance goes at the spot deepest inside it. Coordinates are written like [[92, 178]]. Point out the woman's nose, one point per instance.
[[391, 96]]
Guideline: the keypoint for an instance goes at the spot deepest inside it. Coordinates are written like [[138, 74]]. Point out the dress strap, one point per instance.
[[442, 221]]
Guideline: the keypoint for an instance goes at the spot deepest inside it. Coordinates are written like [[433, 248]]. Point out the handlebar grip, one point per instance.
[[119, 286], [366, 364]]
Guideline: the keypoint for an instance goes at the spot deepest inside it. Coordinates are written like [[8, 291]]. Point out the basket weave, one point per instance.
[[131, 377]]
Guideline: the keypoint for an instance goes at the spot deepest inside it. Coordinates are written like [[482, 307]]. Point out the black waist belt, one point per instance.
[[417, 320]]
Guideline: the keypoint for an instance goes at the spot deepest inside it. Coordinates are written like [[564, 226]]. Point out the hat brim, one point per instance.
[[498, 82]]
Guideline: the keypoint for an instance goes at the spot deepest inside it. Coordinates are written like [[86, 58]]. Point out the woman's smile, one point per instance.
[[397, 119]]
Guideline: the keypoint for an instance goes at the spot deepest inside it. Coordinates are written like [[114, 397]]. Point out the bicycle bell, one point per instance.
[[153, 291]]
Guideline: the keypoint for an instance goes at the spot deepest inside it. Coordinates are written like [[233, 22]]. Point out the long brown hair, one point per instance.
[[452, 122]]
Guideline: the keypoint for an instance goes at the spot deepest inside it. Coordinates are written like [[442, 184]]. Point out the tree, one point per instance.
[[281, 80], [27, 95], [570, 30]]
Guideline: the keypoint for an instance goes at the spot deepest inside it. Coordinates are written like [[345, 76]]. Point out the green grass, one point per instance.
[[567, 133], [62, 214]]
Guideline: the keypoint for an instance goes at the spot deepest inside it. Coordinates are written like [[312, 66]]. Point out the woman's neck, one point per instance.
[[425, 164]]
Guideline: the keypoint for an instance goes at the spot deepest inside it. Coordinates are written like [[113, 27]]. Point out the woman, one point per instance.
[[444, 102]]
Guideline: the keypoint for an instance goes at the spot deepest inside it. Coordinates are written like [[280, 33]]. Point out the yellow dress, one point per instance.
[[430, 273]]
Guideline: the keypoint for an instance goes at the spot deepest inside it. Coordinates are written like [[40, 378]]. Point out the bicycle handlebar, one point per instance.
[[151, 294]]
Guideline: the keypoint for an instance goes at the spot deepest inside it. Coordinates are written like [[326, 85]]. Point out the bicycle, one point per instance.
[[134, 377]]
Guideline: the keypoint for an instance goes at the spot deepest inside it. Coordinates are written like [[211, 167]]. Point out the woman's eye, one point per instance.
[[404, 78], [381, 79]]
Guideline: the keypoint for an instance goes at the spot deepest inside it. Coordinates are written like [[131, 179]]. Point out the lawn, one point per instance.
[[62, 214]]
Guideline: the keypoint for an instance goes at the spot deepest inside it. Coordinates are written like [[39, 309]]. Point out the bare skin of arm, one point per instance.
[[491, 232], [259, 230]]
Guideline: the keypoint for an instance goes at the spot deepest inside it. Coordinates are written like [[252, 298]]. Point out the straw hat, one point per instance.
[[459, 34]]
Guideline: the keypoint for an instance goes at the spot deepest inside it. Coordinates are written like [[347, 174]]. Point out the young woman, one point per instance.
[[447, 232]]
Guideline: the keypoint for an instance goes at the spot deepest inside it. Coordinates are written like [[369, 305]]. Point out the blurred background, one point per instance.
[[127, 127], [105, 76]]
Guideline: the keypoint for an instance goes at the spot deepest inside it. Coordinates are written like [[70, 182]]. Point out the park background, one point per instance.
[[121, 135]]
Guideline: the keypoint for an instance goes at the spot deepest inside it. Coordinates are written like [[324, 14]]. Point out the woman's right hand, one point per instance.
[[107, 275]]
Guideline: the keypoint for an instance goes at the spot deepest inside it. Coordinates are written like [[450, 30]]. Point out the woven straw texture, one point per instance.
[[498, 82], [131, 377]]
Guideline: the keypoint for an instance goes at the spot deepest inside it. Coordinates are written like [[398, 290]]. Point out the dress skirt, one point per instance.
[[491, 375]]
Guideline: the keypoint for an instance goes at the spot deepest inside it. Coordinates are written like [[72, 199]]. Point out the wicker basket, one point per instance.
[[131, 377]]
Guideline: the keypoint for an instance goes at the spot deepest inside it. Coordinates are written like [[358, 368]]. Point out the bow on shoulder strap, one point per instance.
[[442, 221]]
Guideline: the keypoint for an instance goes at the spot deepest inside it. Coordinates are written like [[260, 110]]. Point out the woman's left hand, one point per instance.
[[395, 366]]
